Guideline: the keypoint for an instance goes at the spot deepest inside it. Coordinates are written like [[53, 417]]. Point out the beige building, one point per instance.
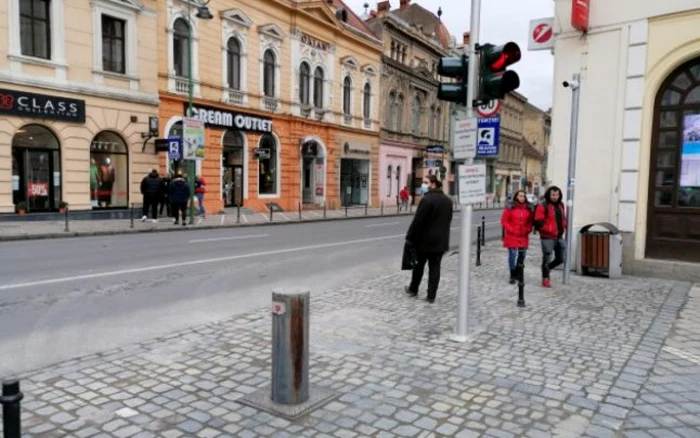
[[78, 84], [506, 168], [536, 134]]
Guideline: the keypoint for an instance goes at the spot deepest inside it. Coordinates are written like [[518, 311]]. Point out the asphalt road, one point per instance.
[[64, 298]]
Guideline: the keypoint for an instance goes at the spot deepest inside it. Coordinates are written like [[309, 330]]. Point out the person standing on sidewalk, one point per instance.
[[429, 234], [200, 187], [150, 189], [550, 222], [179, 195], [517, 223], [403, 196], [164, 200]]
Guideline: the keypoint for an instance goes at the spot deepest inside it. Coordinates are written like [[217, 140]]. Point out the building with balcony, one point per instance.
[[289, 94], [78, 84]]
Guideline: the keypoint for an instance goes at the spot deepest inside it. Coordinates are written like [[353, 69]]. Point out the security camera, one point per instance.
[[566, 84]]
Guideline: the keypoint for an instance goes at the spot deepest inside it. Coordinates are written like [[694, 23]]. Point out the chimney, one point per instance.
[[383, 8], [404, 4], [372, 13], [465, 38]]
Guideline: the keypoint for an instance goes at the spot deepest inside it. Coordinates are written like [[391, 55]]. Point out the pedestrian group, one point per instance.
[[171, 194]]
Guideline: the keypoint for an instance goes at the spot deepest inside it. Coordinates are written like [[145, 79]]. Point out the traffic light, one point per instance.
[[457, 68], [494, 80]]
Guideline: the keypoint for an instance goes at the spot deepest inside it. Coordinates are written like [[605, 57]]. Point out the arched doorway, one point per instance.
[[313, 171], [673, 216], [36, 169], [232, 167], [109, 171]]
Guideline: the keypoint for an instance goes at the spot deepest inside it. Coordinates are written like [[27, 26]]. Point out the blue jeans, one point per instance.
[[200, 201], [513, 255]]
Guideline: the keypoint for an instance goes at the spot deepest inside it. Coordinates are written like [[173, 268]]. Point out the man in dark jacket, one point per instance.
[[429, 234], [550, 222], [150, 189], [179, 195], [164, 199]]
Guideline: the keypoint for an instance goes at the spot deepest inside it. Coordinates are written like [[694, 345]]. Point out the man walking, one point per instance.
[[150, 189], [179, 195], [429, 234], [550, 222]]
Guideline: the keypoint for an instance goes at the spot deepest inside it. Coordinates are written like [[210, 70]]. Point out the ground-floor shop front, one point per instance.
[[69, 150]]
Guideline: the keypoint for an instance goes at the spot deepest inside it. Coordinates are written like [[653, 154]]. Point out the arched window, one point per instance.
[[390, 110], [416, 116], [399, 114], [347, 94], [36, 169], [389, 177], [398, 178], [233, 56], [181, 35], [267, 166], [109, 171], [269, 73], [367, 102], [304, 83], [318, 87]]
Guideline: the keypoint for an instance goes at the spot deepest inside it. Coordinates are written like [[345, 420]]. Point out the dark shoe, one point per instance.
[[512, 276], [177, 223], [409, 293], [430, 300]]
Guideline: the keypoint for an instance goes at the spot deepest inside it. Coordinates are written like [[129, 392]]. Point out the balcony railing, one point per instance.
[[271, 104], [347, 119], [368, 124], [305, 110], [320, 114], [182, 85], [235, 97]]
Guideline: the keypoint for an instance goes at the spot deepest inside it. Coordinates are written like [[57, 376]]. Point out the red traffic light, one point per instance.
[[498, 58]]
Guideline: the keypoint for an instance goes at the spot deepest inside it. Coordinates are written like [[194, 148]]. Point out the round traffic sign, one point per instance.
[[542, 33], [489, 109]]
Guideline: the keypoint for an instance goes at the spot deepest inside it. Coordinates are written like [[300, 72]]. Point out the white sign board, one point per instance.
[[472, 183], [541, 35], [464, 141], [192, 139]]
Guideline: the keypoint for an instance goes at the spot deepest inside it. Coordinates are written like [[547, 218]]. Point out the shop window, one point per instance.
[[181, 35], [233, 59], [304, 83], [267, 167], [109, 171], [388, 181], [36, 169], [113, 47], [318, 87], [367, 107], [35, 28], [269, 73], [347, 93]]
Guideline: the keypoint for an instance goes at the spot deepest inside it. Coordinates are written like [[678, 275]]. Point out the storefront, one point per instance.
[[395, 171], [355, 173], [313, 172]]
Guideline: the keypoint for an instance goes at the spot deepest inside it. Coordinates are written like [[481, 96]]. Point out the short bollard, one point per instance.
[[483, 230], [67, 229], [520, 273], [346, 207], [366, 209], [131, 212], [410, 205], [290, 347], [381, 209], [503, 233], [478, 246], [271, 211], [324, 210], [10, 400], [398, 205], [238, 214], [300, 212]]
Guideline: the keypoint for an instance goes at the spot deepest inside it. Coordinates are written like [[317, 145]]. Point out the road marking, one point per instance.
[[383, 224], [216, 239], [195, 262]]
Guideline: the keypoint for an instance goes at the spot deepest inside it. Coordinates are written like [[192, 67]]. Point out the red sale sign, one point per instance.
[[37, 189], [579, 14]]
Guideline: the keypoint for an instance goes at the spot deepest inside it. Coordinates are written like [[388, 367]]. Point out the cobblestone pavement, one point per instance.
[[597, 358]]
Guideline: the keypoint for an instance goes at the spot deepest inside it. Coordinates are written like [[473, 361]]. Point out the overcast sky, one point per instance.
[[501, 21]]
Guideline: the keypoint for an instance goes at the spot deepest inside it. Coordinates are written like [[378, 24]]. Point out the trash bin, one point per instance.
[[600, 252]]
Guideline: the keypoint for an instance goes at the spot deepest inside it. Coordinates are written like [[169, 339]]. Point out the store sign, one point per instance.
[[580, 10], [41, 106], [315, 43], [37, 189], [541, 37], [231, 119], [435, 149], [356, 150]]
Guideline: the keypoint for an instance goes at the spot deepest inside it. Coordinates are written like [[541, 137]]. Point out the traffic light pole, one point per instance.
[[467, 214], [571, 180]]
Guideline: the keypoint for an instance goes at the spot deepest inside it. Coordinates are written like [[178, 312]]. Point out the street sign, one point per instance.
[[489, 109], [488, 137], [541, 36], [192, 139], [435, 149], [432, 163], [174, 148], [472, 183], [464, 141]]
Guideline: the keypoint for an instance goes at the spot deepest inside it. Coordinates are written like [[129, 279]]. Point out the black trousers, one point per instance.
[[164, 204], [181, 208], [434, 260], [150, 203]]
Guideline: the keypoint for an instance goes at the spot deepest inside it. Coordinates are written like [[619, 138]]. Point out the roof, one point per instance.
[[354, 20], [530, 151], [419, 16]]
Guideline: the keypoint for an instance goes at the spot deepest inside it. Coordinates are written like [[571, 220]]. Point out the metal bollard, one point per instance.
[[478, 246], [271, 214], [346, 207], [398, 206], [483, 230], [238, 214], [381, 208], [520, 273], [132, 215], [290, 347], [300, 212], [324, 209], [67, 226], [10, 400], [410, 206], [366, 207]]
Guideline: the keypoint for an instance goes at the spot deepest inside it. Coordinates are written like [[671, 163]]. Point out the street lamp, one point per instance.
[[203, 13]]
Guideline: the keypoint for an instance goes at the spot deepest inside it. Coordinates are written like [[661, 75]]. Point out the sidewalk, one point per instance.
[[56, 229], [598, 358]]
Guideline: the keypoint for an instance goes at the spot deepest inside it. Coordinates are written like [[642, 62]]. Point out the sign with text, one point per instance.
[[211, 116], [192, 139], [435, 149], [41, 106], [488, 136], [472, 183], [464, 141]]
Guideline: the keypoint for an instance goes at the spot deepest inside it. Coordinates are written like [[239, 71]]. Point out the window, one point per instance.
[[438, 124], [35, 28], [113, 44], [347, 92], [181, 35], [233, 61], [367, 102], [398, 178], [109, 173], [318, 87], [36, 169], [269, 73], [388, 181], [304, 83], [390, 109], [399, 113], [416, 116], [431, 124], [267, 167]]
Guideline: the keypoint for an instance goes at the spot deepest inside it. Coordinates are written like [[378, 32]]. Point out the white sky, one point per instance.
[[501, 21]]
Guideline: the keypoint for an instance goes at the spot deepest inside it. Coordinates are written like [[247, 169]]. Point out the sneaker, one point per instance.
[[155, 221], [177, 223], [143, 219], [546, 282]]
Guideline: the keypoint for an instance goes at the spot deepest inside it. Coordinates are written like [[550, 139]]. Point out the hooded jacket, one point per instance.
[[179, 190], [550, 217], [517, 222], [150, 185], [430, 230]]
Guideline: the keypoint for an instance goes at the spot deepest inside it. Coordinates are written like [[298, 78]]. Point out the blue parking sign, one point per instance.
[[174, 148], [487, 136]]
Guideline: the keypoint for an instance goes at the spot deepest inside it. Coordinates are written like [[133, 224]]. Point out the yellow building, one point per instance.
[[304, 75], [76, 94], [536, 127], [507, 167]]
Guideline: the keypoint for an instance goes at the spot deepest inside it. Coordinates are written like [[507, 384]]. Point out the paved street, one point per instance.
[[598, 358], [67, 297]]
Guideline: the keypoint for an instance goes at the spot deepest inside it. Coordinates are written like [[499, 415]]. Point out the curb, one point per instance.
[[64, 235]]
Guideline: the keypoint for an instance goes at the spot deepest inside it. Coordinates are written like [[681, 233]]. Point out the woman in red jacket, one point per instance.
[[517, 223]]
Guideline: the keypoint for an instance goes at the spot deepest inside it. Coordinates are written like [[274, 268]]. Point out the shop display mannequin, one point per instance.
[[106, 178]]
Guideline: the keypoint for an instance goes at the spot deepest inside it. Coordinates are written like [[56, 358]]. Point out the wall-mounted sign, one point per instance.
[[541, 36], [231, 119], [192, 139], [349, 149], [41, 106], [315, 43], [579, 14], [435, 149]]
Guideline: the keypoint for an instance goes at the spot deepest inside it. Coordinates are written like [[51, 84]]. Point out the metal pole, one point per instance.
[[398, 206], [520, 273], [66, 214], [478, 246], [324, 209], [270, 213], [132, 215], [290, 347], [381, 208], [571, 180], [468, 212], [191, 166], [238, 214], [366, 207], [300, 212], [10, 400], [483, 230]]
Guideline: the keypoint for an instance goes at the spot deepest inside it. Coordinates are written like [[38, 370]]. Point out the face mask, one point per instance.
[[424, 187]]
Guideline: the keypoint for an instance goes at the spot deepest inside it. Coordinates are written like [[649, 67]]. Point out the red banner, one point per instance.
[[579, 14]]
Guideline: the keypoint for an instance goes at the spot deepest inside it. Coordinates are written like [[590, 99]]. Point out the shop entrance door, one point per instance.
[[233, 186], [32, 179], [308, 182]]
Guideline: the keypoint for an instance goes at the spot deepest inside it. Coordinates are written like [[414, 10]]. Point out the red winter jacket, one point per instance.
[[546, 221], [517, 222]]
